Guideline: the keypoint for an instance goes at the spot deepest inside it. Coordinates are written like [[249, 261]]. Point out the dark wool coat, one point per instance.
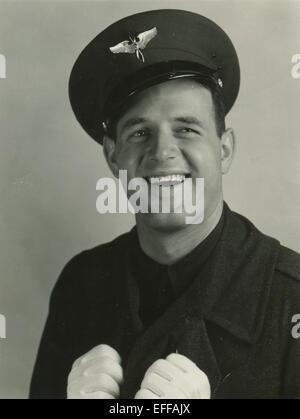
[[234, 321]]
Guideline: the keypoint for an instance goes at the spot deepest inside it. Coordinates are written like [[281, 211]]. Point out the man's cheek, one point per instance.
[[128, 157], [126, 162]]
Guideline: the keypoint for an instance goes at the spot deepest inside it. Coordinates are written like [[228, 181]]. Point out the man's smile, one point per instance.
[[171, 179]]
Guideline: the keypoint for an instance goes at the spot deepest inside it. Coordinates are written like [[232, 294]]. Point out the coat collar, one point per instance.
[[237, 292]]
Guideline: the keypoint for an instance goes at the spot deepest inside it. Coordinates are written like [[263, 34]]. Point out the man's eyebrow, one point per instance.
[[186, 119], [189, 120], [133, 121]]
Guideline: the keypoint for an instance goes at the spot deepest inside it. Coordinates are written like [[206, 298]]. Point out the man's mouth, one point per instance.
[[167, 180]]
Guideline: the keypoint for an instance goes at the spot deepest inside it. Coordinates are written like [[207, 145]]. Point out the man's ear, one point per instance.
[[227, 149], [109, 150]]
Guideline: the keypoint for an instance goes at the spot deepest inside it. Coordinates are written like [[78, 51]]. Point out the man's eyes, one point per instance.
[[187, 130], [143, 133], [139, 134]]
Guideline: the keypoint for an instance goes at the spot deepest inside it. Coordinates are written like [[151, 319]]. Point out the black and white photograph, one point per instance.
[[150, 201]]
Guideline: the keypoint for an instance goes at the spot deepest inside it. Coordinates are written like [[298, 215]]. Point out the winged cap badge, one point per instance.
[[135, 44]]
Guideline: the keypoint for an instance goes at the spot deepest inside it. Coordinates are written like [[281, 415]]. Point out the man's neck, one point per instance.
[[168, 248]]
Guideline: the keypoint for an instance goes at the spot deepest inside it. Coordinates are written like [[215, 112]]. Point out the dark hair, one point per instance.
[[218, 104]]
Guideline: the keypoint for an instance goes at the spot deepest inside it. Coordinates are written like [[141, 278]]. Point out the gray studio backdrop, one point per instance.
[[49, 166]]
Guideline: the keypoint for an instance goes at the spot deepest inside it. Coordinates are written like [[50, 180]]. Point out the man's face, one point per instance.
[[171, 130]]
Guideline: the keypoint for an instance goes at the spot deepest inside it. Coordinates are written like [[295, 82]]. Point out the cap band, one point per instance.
[[156, 74]]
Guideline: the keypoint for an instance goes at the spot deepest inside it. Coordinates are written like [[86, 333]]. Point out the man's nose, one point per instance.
[[163, 147]]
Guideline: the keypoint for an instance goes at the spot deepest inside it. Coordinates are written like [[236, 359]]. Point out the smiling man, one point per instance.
[[170, 310], [171, 130]]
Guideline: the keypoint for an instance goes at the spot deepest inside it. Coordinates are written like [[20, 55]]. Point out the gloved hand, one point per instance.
[[96, 375], [175, 377]]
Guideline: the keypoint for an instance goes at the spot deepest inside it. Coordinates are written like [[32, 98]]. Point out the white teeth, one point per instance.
[[162, 180]]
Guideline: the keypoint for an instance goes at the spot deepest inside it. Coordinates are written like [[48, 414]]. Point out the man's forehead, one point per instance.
[[183, 118], [176, 100]]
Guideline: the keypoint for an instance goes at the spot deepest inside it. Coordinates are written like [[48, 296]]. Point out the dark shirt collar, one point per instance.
[[181, 273]]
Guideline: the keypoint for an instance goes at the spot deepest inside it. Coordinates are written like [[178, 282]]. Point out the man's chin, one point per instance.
[[163, 222]]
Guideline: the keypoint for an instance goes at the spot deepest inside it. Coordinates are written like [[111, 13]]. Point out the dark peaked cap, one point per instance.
[[145, 49]]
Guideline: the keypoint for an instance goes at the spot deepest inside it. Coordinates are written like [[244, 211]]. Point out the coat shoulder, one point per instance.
[[89, 270], [101, 256], [287, 279], [288, 263]]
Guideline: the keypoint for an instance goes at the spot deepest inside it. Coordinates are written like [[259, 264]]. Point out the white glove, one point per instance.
[[175, 377], [96, 375]]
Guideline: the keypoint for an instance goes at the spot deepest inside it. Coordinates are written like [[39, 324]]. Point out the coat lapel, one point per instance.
[[180, 330]]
